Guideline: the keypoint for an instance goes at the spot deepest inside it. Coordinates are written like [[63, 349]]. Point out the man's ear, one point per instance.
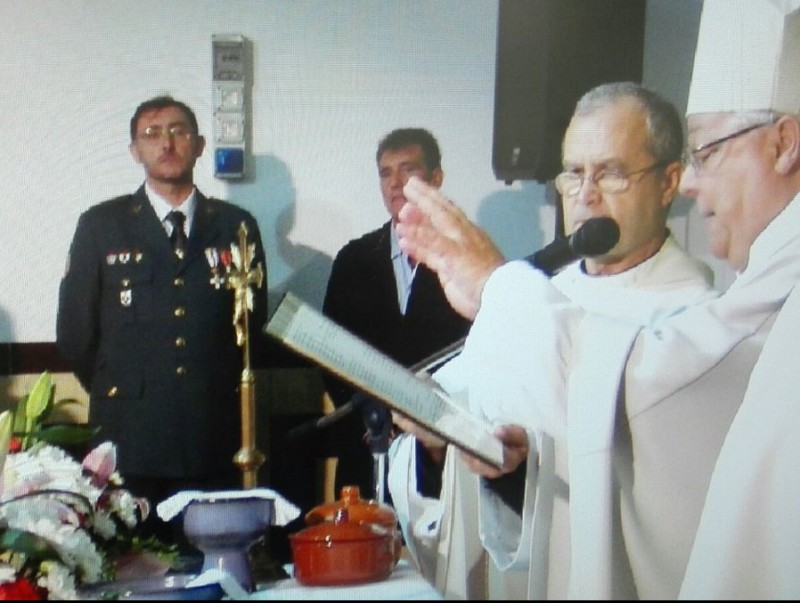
[[672, 181], [437, 178], [788, 147], [200, 146], [134, 150]]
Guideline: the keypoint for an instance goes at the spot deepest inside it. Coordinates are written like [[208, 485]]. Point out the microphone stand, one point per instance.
[[378, 421], [378, 418]]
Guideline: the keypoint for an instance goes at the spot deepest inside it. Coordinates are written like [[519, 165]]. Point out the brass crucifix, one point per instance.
[[241, 277]]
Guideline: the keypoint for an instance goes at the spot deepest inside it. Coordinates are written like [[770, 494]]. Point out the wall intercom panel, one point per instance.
[[230, 105]]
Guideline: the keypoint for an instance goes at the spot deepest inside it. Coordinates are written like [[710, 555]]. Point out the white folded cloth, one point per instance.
[[284, 510], [226, 581]]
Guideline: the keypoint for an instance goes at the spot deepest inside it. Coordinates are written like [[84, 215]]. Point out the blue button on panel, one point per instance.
[[229, 162]]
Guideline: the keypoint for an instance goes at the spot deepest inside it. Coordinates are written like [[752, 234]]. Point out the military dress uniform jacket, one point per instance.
[[362, 296], [151, 336]]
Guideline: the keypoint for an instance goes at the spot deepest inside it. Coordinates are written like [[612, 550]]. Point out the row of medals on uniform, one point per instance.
[[218, 261]]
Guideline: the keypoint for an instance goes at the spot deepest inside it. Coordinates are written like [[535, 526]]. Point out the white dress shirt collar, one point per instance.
[[162, 207]]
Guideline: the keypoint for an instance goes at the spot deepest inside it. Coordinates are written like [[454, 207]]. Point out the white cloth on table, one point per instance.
[[284, 510]]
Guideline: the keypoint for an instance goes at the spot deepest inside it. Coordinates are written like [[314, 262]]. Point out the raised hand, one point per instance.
[[435, 232]]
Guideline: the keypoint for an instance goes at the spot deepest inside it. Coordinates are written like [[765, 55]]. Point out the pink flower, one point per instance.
[[100, 463]]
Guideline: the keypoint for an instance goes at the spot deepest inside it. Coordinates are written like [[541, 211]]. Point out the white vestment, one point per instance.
[[748, 542], [640, 457], [440, 533]]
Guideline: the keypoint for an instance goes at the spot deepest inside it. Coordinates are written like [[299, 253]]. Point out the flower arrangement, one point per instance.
[[63, 523]]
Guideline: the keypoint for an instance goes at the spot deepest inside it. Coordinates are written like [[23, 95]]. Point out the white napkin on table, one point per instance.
[[284, 510]]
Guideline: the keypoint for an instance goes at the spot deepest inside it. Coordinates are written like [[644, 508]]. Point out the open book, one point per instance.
[[416, 395]]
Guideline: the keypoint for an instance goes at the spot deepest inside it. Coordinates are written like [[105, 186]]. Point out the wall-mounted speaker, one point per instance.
[[549, 53]]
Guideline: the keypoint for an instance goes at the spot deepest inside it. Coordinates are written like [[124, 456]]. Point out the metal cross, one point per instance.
[[241, 277]]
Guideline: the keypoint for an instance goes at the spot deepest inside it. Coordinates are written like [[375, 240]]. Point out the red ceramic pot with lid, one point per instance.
[[342, 552], [359, 511]]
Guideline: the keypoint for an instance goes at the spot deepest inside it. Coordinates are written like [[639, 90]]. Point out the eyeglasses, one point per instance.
[[609, 182], [698, 156], [154, 133]]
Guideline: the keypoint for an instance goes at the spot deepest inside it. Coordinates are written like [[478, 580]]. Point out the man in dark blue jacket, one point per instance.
[[376, 292], [146, 320]]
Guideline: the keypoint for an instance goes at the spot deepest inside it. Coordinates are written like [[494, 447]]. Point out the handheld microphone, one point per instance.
[[596, 236]]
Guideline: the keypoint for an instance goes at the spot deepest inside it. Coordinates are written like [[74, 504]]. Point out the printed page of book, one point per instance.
[[312, 334]]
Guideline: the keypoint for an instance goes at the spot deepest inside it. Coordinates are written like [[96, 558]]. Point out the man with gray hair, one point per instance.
[[745, 169], [744, 173], [621, 156]]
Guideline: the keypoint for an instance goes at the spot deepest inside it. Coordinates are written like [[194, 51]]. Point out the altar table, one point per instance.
[[405, 583]]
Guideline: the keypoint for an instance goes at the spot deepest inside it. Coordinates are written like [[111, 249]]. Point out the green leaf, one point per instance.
[[40, 397], [66, 435], [31, 545], [6, 430], [20, 414]]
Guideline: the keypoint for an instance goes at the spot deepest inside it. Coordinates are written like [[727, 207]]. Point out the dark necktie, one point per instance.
[[178, 235]]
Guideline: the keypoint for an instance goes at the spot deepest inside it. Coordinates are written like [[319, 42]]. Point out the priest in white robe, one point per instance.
[[640, 456], [748, 542], [644, 275]]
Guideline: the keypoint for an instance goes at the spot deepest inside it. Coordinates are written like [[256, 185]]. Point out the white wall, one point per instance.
[[330, 78]]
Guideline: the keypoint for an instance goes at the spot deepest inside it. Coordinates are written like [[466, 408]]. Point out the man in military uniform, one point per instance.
[[146, 321]]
